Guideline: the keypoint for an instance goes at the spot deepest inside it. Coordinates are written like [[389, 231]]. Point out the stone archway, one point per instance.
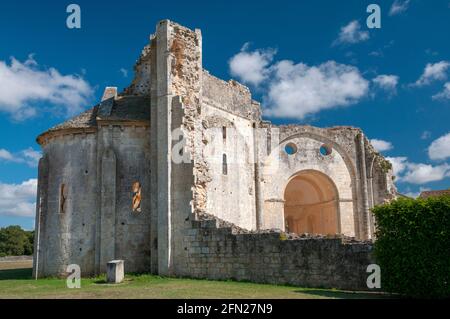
[[311, 204]]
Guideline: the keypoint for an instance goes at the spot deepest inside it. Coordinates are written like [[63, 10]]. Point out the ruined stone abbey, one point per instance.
[[179, 175]]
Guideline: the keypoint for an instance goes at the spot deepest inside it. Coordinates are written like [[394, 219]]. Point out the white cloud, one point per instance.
[[31, 157], [251, 67], [22, 85], [18, 199], [381, 146], [433, 72], [6, 155], [415, 173], [298, 90], [440, 148], [444, 94], [124, 72], [398, 7], [351, 33], [425, 173], [387, 82], [28, 156]]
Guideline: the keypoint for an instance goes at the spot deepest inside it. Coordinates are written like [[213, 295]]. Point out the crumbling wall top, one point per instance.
[[140, 84], [337, 133], [230, 96]]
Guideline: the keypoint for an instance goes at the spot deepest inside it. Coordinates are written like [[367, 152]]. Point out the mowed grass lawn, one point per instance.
[[16, 282]]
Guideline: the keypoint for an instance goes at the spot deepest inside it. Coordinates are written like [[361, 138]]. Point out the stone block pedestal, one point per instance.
[[115, 271]]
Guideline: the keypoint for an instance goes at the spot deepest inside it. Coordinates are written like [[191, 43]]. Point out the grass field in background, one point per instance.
[[16, 282]]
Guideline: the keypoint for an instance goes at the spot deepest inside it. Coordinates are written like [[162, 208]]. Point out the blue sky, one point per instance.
[[391, 82]]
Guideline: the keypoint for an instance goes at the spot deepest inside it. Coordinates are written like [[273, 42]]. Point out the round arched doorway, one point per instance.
[[311, 204]]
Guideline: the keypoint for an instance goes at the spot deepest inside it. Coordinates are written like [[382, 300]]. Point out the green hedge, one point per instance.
[[413, 246]]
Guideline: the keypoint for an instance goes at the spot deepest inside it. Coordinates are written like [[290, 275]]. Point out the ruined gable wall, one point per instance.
[[361, 174], [308, 141]]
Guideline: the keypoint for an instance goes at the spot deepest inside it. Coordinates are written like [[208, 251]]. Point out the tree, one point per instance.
[[14, 241]]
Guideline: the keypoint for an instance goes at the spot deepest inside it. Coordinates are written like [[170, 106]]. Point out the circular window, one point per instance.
[[290, 148], [325, 150]]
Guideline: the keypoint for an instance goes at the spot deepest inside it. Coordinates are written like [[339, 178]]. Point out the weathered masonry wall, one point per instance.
[[229, 116], [124, 234], [96, 223], [231, 194], [67, 236], [336, 166], [362, 177], [217, 250], [175, 103], [230, 96]]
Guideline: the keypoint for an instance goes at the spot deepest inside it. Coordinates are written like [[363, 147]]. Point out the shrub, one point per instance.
[[14, 241], [413, 246]]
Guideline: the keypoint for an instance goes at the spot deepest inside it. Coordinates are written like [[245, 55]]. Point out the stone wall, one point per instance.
[[96, 223], [125, 234], [231, 196], [337, 166], [218, 250], [230, 96], [363, 178], [67, 236]]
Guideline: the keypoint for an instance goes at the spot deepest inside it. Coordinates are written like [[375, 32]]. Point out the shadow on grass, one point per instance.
[[16, 274], [129, 276], [344, 294]]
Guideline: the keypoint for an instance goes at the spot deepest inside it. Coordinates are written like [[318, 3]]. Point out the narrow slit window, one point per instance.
[[136, 205], [269, 143], [224, 165], [224, 133], [62, 198]]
